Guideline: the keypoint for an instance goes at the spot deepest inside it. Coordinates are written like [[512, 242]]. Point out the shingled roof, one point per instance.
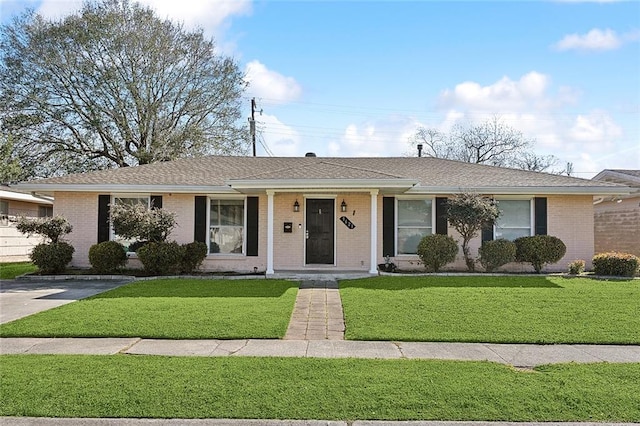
[[414, 174]]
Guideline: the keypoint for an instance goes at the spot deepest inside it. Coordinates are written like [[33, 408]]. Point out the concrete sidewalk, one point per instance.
[[519, 355]]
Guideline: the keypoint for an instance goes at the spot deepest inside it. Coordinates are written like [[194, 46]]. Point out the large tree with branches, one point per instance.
[[114, 85], [490, 142]]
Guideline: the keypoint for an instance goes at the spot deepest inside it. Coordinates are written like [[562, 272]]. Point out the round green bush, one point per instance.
[[494, 254], [437, 250], [52, 258], [107, 256], [539, 250], [161, 258], [616, 264], [194, 254]]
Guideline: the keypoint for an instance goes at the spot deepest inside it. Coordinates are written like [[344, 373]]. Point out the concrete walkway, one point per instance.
[[519, 355], [317, 314]]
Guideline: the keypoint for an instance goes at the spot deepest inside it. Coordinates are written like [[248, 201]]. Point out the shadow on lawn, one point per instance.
[[409, 283], [201, 288]]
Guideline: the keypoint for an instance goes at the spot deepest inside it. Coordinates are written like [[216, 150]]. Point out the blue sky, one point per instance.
[[352, 78]]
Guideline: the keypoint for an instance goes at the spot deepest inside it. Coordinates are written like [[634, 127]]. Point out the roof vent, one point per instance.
[[310, 154]]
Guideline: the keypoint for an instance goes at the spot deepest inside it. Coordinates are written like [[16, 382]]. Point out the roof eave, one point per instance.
[[301, 184], [120, 188], [524, 190]]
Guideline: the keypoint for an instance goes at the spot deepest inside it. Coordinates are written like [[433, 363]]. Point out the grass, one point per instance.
[[294, 388], [492, 309], [9, 271], [170, 309]]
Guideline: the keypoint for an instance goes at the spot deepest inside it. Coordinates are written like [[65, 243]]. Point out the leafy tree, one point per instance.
[[52, 228], [468, 213], [136, 221], [114, 85], [10, 168], [491, 142]]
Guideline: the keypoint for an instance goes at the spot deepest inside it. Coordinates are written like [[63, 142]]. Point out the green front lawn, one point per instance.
[[508, 309], [170, 309], [294, 388], [9, 271]]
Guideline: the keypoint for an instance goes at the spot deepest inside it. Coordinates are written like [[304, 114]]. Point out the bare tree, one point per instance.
[[491, 142], [113, 85]]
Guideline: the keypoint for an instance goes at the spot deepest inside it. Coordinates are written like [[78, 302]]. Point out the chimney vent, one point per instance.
[[310, 154], [419, 150]]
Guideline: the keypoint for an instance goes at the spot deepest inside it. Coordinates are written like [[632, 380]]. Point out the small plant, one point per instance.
[[437, 250], [494, 254], [52, 258], [468, 213], [194, 254], [616, 264], [107, 256], [539, 250], [388, 265], [161, 258], [576, 267]]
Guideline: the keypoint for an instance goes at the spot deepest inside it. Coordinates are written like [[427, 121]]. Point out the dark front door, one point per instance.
[[319, 234]]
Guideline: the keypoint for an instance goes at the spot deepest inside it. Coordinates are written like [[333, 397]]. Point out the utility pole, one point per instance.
[[252, 124]]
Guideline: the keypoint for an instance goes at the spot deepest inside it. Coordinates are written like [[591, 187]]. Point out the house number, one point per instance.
[[347, 222]]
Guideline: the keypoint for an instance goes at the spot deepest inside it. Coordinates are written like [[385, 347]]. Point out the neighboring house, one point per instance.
[[329, 214], [14, 246], [617, 218]]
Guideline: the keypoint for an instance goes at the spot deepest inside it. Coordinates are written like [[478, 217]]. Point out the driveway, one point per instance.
[[21, 298]]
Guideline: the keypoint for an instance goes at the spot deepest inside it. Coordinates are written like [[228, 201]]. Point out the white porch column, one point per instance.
[[270, 219], [373, 268]]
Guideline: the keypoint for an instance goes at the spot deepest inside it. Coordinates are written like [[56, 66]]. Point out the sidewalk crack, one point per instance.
[[399, 347], [246, 342], [126, 348], [500, 356]]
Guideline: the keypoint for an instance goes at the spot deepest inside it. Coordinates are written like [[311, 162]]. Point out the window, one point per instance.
[[4, 213], [515, 219], [129, 244], [226, 226], [45, 211], [414, 221]]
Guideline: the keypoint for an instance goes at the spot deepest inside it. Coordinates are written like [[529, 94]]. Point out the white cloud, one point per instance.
[[281, 139], [268, 84], [505, 94], [199, 13], [56, 9], [597, 127], [594, 40]]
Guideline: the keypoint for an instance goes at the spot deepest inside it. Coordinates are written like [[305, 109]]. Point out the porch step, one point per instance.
[[317, 314]]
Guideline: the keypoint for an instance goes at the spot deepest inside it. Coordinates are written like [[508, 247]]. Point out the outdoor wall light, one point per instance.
[[296, 206], [343, 206]]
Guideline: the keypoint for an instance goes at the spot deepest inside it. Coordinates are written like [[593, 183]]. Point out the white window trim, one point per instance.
[[395, 220], [112, 234], [244, 225], [532, 212]]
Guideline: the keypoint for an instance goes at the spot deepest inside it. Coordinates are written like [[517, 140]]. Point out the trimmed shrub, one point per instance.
[[576, 267], [107, 256], [437, 250], [539, 250], [616, 264], [161, 258], [194, 254], [52, 258], [52, 228], [494, 254]]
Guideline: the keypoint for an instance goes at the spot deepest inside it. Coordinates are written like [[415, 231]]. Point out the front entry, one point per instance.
[[320, 232]]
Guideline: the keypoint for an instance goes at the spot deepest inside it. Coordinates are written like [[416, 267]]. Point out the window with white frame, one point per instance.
[[414, 220], [515, 219], [131, 200], [226, 226]]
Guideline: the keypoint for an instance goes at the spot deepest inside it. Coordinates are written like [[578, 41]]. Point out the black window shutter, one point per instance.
[[200, 219], [388, 226], [252, 226], [540, 215], [487, 233], [441, 215], [103, 218], [156, 201]]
